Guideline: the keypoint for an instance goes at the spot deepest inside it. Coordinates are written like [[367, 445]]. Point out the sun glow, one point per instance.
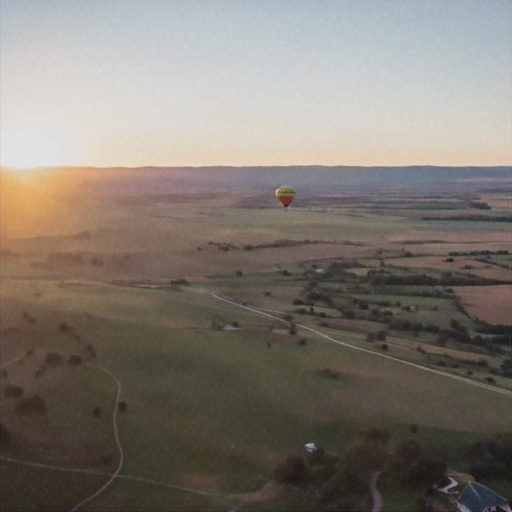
[[33, 146]]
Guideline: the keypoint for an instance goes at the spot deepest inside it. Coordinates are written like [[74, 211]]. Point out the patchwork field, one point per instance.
[[179, 344]]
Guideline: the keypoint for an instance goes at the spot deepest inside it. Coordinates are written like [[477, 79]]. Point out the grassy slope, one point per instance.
[[220, 405]]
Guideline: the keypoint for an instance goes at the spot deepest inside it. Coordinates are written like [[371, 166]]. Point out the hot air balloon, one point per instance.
[[286, 195]]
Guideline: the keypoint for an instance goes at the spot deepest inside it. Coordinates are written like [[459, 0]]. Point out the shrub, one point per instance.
[[13, 391], [75, 360], [28, 317], [5, 437], [384, 346], [291, 471], [32, 405], [53, 359]]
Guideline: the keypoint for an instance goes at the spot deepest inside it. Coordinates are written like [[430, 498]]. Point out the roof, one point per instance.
[[476, 497]]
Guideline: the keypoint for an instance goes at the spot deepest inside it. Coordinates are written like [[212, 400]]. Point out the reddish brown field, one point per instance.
[[492, 304]]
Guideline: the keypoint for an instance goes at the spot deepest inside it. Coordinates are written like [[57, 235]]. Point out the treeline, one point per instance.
[[489, 458], [387, 278], [473, 218], [478, 253], [226, 246]]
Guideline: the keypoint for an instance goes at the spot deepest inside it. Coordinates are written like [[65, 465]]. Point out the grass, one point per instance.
[[211, 408]]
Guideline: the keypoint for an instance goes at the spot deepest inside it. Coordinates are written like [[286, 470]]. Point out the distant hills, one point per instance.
[[311, 178]]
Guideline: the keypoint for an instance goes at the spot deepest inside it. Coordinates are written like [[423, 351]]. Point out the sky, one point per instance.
[[255, 82]]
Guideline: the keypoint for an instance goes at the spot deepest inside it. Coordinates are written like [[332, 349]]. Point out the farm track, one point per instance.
[[231, 302], [116, 473], [377, 498], [361, 349], [118, 443], [123, 477]]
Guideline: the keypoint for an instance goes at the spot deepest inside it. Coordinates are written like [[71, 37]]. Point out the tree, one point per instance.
[[5, 437], [291, 472], [13, 391], [122, 406], [53, 359], [75, 360], [96, 412], [381, 335], [32, 405]]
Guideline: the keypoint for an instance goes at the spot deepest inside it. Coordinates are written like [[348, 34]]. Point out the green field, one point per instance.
[[210, 411]]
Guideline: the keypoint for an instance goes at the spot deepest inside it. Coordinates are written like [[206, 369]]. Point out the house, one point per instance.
[[476, 497]]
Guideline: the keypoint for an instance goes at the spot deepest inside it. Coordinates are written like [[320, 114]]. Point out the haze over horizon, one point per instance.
[[252, 83]]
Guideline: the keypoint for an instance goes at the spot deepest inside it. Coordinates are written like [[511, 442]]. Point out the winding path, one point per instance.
[[125, 477], [377, 498], [118, 443]]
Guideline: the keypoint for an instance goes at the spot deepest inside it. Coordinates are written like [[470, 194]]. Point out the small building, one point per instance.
[[310, 447], [476, 497]]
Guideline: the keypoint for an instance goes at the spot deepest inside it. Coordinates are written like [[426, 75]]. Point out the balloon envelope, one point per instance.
[[286, 195]]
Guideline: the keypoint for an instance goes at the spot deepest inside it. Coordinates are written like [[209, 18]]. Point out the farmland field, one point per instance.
[[181, 341]]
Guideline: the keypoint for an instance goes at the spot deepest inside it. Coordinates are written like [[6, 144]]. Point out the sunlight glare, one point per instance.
[[34, 146]]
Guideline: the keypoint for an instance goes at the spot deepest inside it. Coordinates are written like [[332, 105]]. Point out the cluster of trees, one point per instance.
[[485, 252], [341, 482], [480, 205], [489, 458], [33, 405], [502, 334], [387, 278], [473, 218]]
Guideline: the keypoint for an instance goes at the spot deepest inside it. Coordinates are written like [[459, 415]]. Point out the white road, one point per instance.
[[361, 349]]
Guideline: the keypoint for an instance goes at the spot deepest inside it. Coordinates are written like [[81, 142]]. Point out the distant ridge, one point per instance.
[[305, 178]]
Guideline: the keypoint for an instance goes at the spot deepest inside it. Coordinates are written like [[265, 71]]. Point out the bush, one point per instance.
[[381, 335], [291, 472], [28, 318], [53, 359], [13, 391], [32, 405], [5, 437], [75, 360], [122, 406], [384, 346]]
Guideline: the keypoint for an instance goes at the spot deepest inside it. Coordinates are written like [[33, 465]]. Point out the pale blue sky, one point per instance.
[[256, 82]]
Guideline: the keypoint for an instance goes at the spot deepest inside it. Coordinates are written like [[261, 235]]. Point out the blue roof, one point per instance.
[[477, 497]]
